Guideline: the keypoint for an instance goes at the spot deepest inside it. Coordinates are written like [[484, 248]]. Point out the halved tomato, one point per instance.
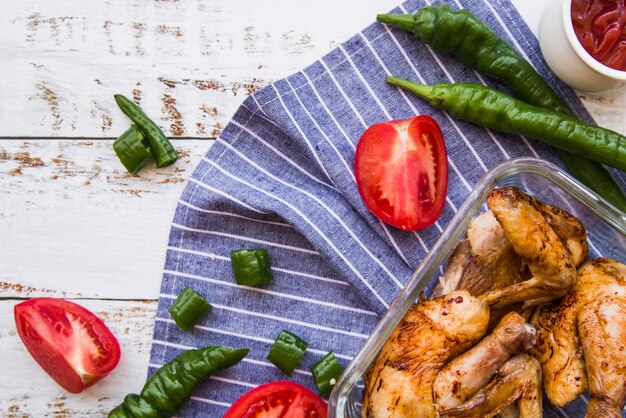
[[401, 170], [280, 399], [70, 343]]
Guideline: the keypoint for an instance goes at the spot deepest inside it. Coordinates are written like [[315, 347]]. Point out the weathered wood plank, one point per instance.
[[189, 62], [74, 224], [28, 392]]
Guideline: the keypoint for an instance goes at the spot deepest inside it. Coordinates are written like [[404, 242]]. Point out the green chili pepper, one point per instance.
[[478, 46], [170, 386], [597, 177], [494, 109], [326, 372], [188, 308], [131, 150], [287, 352], [163, 151], [251, 267]]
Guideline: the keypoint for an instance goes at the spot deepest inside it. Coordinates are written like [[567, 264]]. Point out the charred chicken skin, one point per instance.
[[582, 340], [549, 240], [400, 384], [414, 377], [519, 255]]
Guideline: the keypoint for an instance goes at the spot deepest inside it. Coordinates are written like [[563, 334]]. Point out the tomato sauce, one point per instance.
[[600, 26]]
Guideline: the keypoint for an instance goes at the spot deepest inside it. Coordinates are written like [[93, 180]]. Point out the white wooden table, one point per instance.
[[73, 224]]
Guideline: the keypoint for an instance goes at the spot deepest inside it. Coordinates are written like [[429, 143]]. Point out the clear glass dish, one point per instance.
[[604, 223]]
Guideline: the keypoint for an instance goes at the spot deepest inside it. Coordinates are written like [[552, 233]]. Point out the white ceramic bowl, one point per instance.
[[567, 57]]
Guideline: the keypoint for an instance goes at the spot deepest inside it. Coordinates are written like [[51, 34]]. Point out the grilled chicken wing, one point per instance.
[[602, 328], [484, 261], [548, 239], [519, 379], [462, 377], [400, 384], [582, 315]]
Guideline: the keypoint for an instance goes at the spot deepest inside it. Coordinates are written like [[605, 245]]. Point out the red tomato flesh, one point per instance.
[[600, 26], [278, 400], [401, 170], [70, 343]]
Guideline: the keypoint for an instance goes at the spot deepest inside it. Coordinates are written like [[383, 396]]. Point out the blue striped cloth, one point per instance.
[[280, 177]]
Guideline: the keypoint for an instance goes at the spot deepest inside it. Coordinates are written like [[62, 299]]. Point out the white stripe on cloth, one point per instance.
[[243, 336], [323, 103], [306, 139], [332, 145], [281, 155], [282, 270], [270, 292], [319, 202], [244, 238], [234, 215], [317, 230]]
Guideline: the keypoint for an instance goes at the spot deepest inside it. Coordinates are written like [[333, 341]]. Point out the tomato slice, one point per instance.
[[401, 170], [70, 343], [280, 399]]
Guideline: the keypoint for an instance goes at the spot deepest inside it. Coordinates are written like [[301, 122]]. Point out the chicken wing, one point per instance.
[[462, 377], [400, 384], [602, 328], [558, 348], [483, 262], [519, 379], [548, 239]]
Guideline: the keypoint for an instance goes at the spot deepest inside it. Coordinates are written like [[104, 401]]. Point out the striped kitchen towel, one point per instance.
[[280, 177]]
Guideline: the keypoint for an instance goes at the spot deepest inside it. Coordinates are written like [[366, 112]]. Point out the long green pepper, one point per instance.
[[494, 109], [170, 386], [474, 43], [162, 150], [478, 46]]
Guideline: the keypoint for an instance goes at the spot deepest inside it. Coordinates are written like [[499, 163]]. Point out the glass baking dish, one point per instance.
[[605, 224]]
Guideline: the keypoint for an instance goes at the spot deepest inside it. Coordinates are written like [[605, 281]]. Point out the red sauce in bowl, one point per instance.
[[600, 26]]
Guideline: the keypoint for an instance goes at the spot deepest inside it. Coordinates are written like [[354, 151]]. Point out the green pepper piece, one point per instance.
[[251, 267], [131, 150], [491, 108], [287, 352], [478, 46], [188, 308], [326, 372], [163, 151], [170, 386]]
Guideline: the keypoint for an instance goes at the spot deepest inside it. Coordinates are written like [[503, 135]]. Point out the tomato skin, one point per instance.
[[401, 170], [69, 342], [280, 399]]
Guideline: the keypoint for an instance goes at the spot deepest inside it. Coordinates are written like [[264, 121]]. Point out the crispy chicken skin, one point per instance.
[[602, 328], [531, 228], [485, 260], [400, 384], [519, 379], [561, 328], [462, 377]]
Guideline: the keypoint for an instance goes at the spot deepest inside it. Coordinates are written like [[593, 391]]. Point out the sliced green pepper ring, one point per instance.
[[131, 150], [326, 372], [287, 352], [188, 308], [251, 267]]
